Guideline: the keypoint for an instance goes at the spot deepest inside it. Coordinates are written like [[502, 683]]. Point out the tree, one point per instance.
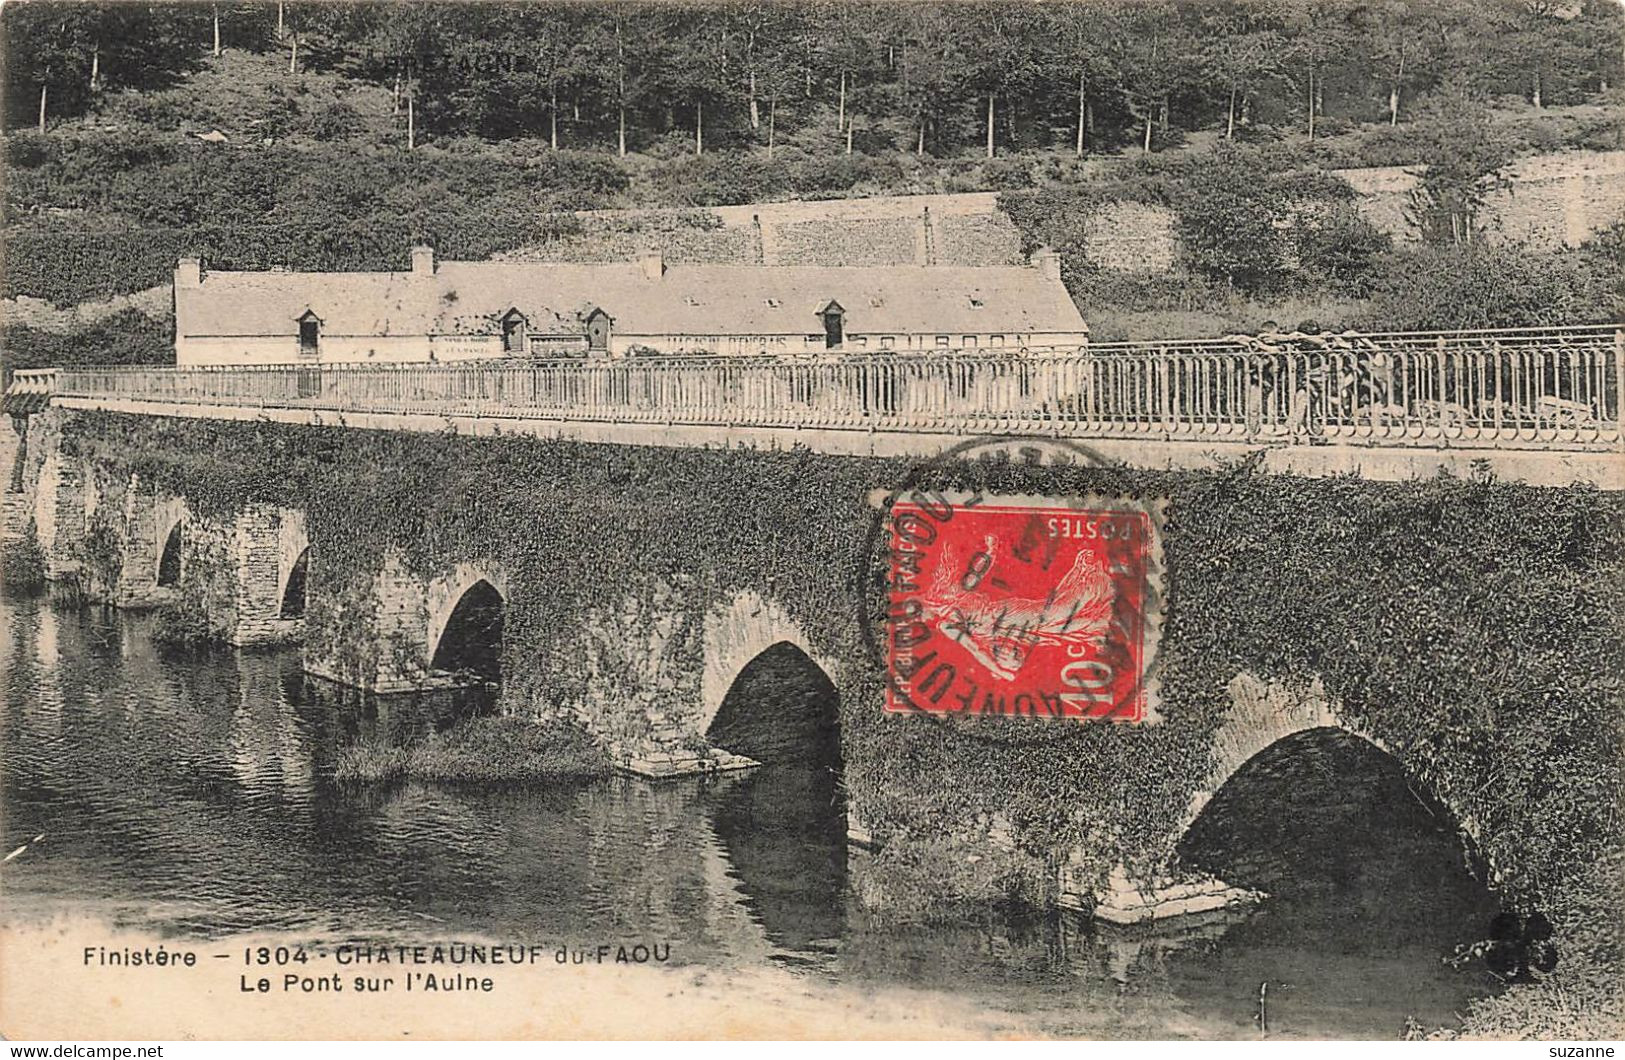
[[754, 27], [1243, 45], [410, 43], [556, 53], [1400, 46], [1467, 159], [1320, 31], [59, 56], [1081, 55], [1003, 65], [1232, 219], [621, 45], [1547, 45], [930, 61], [1156, 55], [777, 77], [696, 70], [1600, 26]]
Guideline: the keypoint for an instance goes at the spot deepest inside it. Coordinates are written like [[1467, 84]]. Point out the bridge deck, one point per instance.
[[1539, 388]]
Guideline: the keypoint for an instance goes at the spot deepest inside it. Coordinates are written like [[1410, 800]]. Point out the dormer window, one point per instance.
[[598, 323], [513, 331], [834, 324], [310, 334]]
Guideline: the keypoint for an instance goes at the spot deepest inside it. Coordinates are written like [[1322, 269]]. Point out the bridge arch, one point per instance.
[[1264, 715], [781, 708], [293, 564], [466, 612], [168, 544], [736, 635], [294, 588]]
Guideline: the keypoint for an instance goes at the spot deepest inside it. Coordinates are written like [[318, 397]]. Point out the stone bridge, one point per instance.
[[659, 586]]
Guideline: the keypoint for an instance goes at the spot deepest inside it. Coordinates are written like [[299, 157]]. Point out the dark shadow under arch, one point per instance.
[[296, 593], [1328, 820], [471, 643], [169, 560], [784, 824], [781, 708]]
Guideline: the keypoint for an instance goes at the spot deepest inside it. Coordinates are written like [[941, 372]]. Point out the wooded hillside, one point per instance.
[[933, 78], [332, 135]]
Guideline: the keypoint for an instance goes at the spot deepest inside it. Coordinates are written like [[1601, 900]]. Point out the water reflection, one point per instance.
[[191, 796]]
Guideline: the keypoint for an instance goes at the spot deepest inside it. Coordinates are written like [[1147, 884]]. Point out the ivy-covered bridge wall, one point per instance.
[[1469, 628]]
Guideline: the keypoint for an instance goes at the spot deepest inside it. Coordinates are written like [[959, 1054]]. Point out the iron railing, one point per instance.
[[1555, 388]]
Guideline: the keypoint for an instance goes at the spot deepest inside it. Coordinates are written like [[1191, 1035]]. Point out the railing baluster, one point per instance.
[[1554, 386]]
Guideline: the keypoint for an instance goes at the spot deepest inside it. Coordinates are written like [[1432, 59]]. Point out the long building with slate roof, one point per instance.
[[462, 310]]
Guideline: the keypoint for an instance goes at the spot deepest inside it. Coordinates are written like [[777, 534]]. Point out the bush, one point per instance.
[[1237, 210], [22, 562], [1337, 245], [1228, 221], [337, 121], [1005, 174], [185, 625], [483, 750], [1583, 998], [70, 266], [127, 337], [1332, 125], [1498, 285]]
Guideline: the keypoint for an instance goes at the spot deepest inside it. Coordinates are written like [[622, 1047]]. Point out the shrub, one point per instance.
[[71, 266], [185, 625], [22, 562], [337, 121], [1582, 999], [127, 337], [1491, 286], [1332, 125], [1466, 159], [27, 150], [1335, 243], [482, 750], [1005, 174], [1229, 221]]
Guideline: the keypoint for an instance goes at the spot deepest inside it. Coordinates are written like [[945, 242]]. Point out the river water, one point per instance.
[[190, 797]]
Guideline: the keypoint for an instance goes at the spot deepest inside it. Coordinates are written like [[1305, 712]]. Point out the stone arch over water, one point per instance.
[[736, 635], [294, 590], [1268, 722], [466, 614], [782, 707], [169, 557], [293, 563], [168, 540]]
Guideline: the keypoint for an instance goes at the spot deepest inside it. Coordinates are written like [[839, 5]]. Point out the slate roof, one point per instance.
[[470, 297]]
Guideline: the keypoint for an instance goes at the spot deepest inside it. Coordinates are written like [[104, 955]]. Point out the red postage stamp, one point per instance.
[[1022, 606]]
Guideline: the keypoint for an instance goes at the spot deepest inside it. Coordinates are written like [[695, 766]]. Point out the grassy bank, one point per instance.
[[481, 751]]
